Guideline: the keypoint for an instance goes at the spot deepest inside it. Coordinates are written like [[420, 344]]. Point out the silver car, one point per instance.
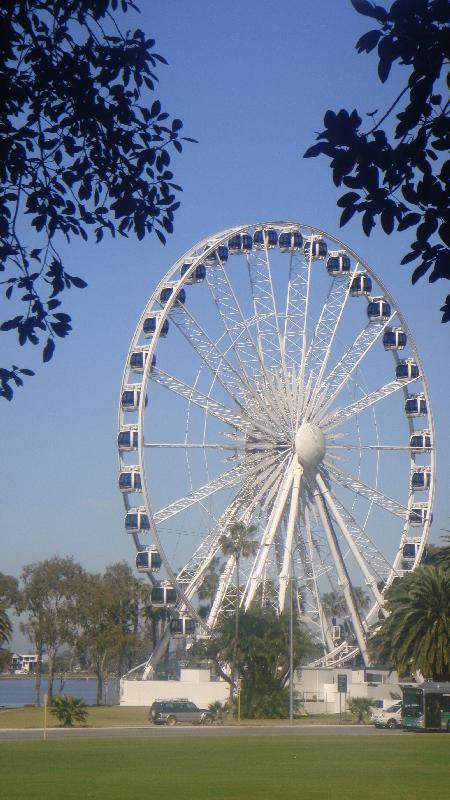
[[169, 712]]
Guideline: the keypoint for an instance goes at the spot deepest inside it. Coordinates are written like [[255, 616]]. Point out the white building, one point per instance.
[[317, 690], [24, 663], [194, 684]]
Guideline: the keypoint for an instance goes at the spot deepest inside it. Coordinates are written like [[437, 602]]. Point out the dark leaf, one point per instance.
[[48, 350]]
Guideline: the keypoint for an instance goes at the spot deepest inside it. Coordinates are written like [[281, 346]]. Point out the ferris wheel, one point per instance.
[[272, 380]]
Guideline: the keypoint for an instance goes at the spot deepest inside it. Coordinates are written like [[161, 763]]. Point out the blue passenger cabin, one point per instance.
[[197, 276], [130, 480], [167, 292], [149, 327], [290, 241], [138, 359], [409, 551], [315, 247], [378, 310], [420, 441], [416, 406], [265, 239], [240, 243], [407, 370], [148, 560], [131, 397], [418, 514], [394, 339], [127, 438], [217, 257], [421, 479], [361, 285], [182, 626], [338, 264], [163, 596], [136, 520]]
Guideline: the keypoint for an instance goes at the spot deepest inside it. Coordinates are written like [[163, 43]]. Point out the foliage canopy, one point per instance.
[[416, 634], [400, 178], [85, 147]]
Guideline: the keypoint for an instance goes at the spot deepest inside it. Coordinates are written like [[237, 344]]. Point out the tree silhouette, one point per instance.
[[400, 179], [416, 634], [85, 147]]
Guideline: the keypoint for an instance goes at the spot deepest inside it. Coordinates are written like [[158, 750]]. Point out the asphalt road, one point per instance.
[[198, 731]]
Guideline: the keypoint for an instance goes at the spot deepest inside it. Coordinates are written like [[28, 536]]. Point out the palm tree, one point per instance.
[[416, 634], [237, 542], [208, 588], [5, 625], [69, 709]]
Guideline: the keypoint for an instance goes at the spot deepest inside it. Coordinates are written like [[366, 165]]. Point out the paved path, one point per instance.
[[198, 730]]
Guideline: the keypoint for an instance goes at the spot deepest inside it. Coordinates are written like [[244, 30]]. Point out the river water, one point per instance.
[[16, 692]]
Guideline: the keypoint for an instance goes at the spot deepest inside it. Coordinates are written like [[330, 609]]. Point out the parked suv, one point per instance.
[[388, 717], [169, 712]]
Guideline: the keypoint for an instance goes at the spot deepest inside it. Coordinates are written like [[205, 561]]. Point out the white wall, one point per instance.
[[199, 690]]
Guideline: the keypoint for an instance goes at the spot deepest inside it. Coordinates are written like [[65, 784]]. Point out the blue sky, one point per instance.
[[251, 81]]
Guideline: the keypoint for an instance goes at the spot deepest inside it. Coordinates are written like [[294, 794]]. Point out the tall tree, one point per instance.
[[401, 179], [416, 634], [237, 542], [109, 611], [86, 146], [48, 598], [263, 657], [8, 599]]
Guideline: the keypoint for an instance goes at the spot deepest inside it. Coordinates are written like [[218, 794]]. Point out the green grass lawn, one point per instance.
[[118, 716], [407, 767]]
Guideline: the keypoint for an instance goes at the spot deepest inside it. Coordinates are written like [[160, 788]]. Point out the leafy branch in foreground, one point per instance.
[[402, 179], [85, 148]]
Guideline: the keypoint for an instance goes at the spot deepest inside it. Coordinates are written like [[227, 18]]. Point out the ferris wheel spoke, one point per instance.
[[350, 361], [342, 415], [286, 567], [270, 531], [374, 447], [296, 314], [237, 327], [233, 383], [358, 487], [227, 479], [269, 337], [379, 564], [236, 419], [341, 571], [191, 445], [317, 356]]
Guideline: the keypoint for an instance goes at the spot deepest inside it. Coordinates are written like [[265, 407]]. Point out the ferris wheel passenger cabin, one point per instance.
[[150, 325], [136, 520], [361, 285], [164, 596], [148, 560]]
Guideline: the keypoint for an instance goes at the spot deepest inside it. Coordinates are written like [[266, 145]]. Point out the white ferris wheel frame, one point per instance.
[[280, 490]]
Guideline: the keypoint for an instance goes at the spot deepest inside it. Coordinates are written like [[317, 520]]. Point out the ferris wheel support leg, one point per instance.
[[360, 560], [268, 537], [157, 655], [341, 571], [327, 638], [286, 568]]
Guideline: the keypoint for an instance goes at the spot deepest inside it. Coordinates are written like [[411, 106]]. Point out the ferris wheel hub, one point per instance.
[[309, 445]]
